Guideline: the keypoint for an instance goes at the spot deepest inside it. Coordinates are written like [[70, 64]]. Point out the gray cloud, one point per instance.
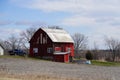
[[25, 23], [102, 16], [3, 22], [116, 23], [74, 6], [30, 23]]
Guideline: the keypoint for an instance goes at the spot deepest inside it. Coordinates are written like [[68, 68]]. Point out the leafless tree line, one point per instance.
[[80, 44], [19, 42], [114, 48], [112, 53]]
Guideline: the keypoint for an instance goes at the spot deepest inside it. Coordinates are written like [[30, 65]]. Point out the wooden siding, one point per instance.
[[42, 46]]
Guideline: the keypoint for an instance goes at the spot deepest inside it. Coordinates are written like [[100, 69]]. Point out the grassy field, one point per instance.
[[20, 57], [22, 69], [12, 56], [100, 63], [94, 62]]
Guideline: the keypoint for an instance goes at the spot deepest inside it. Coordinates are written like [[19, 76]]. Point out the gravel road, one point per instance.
[[80, 71]]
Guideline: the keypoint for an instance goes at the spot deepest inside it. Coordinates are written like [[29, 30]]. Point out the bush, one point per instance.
[[89, 55]]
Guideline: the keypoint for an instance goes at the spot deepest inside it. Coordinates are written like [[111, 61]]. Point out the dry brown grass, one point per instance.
[[7, 76], [19, 69]]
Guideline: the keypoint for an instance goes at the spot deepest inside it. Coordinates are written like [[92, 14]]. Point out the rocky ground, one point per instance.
[[12, 66]]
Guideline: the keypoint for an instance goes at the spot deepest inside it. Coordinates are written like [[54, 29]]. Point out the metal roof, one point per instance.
[[58, 35]]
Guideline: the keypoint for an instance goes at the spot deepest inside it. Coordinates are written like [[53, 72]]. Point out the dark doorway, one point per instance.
[[70, 58]]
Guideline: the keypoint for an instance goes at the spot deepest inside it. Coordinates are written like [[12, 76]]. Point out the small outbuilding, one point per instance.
[[1, 50], [52, 43]]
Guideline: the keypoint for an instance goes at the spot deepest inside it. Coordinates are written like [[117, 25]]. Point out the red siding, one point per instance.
[[57, 48], [63, 47], [59, 58], [66, 58], [36, 43], [36, 40]]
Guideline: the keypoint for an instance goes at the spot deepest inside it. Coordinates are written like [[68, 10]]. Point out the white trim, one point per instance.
[[57, 53]]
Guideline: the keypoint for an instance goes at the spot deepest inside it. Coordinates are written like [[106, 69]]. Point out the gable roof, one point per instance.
[[58, 35], [1, 46]]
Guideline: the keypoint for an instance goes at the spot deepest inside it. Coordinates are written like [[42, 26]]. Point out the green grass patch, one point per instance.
[[100, 63], [18, 57], [23, 57], [11, 56]]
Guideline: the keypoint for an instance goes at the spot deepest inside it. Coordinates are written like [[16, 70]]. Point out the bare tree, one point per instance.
[[96, 46], [113, 46], [80, 42], [4, 44], [13, 42], [118, 52], [1, 42], [95, 51], [27, 35]]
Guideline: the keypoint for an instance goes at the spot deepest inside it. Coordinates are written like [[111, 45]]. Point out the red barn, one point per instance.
[[52, 43]]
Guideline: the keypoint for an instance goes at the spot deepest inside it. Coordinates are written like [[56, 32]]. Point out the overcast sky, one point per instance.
[[93, 18]]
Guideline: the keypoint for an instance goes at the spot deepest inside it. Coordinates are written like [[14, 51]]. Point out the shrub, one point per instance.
[[89, 55]]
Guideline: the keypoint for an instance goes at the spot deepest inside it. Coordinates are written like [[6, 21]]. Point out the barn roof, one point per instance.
[[58, 35]]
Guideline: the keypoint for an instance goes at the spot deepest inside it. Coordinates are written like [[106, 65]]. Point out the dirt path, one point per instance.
[[58, 70]]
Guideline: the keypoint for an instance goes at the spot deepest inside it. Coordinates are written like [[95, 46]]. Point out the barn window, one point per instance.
[[35, 50], [49, 50]]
